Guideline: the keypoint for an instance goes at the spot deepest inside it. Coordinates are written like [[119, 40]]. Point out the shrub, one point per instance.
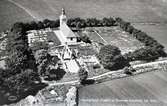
[[127, 71], [43, 60], [83, 74], [85, 39], [55, 74], [87, 82], [96, 66], [111, 58]]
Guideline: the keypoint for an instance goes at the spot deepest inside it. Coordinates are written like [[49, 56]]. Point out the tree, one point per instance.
[[55, 74], [17, 49], [40, 55], [127, 71], [43, 60], [108, 21], [130, 29], [16, 61], [21, 81], [111, 58], [78, 26], [85, 38], [40, 25]]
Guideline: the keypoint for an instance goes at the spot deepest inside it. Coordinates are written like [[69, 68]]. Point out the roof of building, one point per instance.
[[67, 31], [52, 37]]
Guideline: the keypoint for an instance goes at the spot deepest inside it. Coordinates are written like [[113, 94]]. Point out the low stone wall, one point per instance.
[[161, 66], [148, 67]]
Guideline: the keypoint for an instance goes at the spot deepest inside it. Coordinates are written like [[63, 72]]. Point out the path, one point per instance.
[[100, 36], [25, 9]]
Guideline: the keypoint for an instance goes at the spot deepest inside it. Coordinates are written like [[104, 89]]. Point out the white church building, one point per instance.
[[65, 34], [67, 37]]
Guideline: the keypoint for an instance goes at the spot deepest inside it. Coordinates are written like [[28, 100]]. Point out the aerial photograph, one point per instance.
[[83, 52]]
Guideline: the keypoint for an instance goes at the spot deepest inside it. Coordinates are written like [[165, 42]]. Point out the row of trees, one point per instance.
[[138, 34], [152, 49], [146, 54], [72, 22], [90, 22]]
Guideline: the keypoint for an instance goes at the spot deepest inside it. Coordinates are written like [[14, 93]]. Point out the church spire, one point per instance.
[[63, 11], [63, 18]]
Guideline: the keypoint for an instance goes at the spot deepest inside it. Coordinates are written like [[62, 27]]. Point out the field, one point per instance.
[[131, 10], [114, 36], [147, 89], [158, 32], [10, 13]]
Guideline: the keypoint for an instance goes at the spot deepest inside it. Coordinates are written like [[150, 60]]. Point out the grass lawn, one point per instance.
[[86, 50], [115, 36]]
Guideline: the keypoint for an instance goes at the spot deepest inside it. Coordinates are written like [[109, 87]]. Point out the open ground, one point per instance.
[[131, 10], [147, 89]]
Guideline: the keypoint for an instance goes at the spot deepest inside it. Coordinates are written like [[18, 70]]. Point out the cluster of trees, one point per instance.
[[84, 38], [146, 54], [21, 81], [152, 49], [20, 85], [20, 74], [20, 57], [111, 58], [45, 62]]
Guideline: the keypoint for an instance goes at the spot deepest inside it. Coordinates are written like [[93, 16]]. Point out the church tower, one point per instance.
[[63, 17]]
